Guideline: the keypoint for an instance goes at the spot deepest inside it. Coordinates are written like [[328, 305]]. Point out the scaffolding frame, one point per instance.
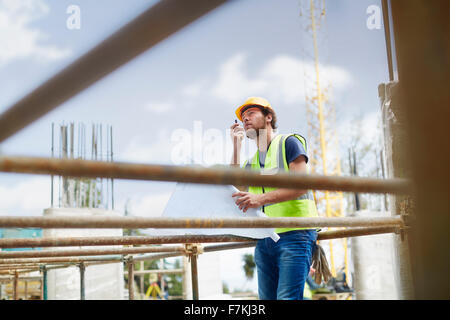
[[169, 16]]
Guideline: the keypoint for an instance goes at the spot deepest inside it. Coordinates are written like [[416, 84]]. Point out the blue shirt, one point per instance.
[[294, 149]]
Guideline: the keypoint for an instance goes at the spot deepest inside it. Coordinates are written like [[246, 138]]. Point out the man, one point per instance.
[[282, 266]]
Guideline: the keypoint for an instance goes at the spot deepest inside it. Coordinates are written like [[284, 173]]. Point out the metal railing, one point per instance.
[[16, 262]]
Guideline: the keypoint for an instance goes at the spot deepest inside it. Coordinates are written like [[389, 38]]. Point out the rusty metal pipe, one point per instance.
[[139, 240], [124, 240], [82, 281], [325, 235], [148, 29], [226, 176], [159, 271], [130, 264], [18, 266], [15, 285], [355, 232], [68, 260], [195, 223], [194, 276], [229, 246], [156, 256], [87, 252], [8, 272], [22, 278]]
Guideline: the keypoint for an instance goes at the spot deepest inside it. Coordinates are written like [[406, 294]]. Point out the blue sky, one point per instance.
[[194, 79]]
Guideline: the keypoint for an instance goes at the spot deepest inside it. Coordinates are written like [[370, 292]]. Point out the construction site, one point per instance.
[[383, 212]]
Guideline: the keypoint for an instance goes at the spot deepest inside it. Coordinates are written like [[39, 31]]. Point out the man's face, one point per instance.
[[254, 122]]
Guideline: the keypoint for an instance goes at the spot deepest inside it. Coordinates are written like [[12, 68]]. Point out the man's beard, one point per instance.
[[253, 133], [257, 133]]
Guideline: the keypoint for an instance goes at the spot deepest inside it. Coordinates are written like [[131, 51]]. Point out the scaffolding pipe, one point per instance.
[[23, 278], [139, 240], [225, 176], [18, 270], [61, 260], [17, 267], [44, 283], [130, 264], [229, 246], [50, 266], [355, 232], [82, 281], [26, 266], [15, 285], [125, 240], [387, 36], [194, 277], [195, 223], [148, 29], [87, 252], [325, 235], [159, 271]]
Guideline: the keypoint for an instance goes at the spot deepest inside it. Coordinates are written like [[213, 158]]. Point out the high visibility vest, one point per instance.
[[307, 293], [275, 161]]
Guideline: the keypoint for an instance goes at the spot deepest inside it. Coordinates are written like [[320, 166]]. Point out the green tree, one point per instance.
[[175, 281], [249, 266], [225, 288]]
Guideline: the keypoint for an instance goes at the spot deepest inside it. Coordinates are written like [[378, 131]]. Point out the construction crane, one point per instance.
[[323, 144]]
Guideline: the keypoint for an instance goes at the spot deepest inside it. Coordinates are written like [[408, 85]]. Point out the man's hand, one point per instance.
[[237, 133], [247, 200]]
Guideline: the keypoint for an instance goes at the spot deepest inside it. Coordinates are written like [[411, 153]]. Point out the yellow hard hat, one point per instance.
[[253, 101]]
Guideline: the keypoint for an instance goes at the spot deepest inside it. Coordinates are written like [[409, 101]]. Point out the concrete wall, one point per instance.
[[373, 264], [209, 277], [102, 282]]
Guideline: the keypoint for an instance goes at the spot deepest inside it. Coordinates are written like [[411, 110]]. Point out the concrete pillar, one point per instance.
[[395, 144]]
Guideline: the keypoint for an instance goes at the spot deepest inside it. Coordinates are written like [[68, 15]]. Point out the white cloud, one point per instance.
[[282, 77], [366, 128], [193, 90], [232, 83], [289, 77], [145, 149], [20, 40], [159, 107], [29, 197]]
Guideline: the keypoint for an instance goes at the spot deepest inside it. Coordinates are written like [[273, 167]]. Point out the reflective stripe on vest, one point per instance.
[[303, 206]]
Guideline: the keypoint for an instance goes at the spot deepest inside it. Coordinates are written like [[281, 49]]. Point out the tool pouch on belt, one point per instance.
[[320, 264]]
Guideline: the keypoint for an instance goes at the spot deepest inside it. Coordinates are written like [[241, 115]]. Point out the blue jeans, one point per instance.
[[283, 266]]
